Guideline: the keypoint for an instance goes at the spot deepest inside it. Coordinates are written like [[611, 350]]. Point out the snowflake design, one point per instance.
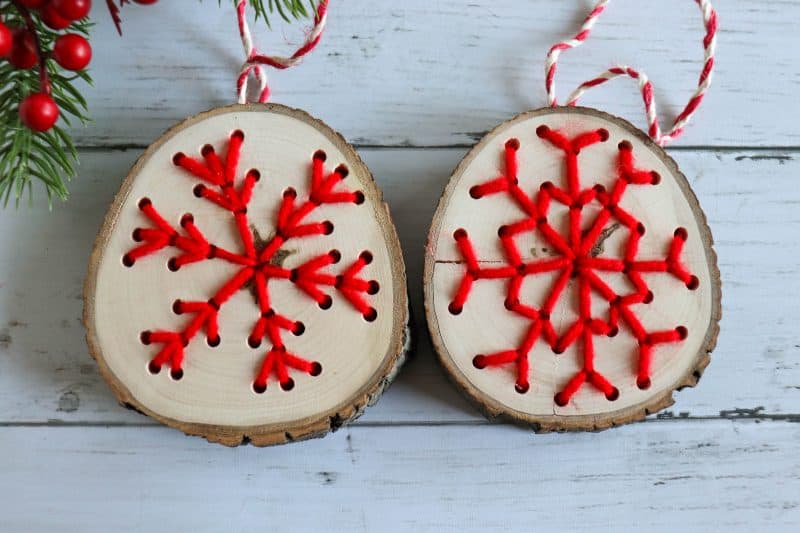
[[258, 264], [579, 257]]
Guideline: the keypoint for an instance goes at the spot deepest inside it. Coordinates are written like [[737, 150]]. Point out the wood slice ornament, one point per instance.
[[570, 280], [247, 284]]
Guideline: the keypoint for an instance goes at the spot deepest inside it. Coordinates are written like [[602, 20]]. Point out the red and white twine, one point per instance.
[[645, 85], [255, 60]]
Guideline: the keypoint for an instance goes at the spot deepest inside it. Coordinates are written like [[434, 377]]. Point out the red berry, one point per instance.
[[53, 18], [23, 49], [32, 4], [72, 9], [72, 51], [6, 40], [38, 111]]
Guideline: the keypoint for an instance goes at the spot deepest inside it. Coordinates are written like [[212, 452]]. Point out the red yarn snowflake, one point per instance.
[[257, 264], [578, 257]]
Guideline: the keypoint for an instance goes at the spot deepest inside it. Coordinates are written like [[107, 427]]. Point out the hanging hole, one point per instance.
[[374, 287], [176, 374], [326, 303], [288, 384], [173, 265], [253, 342], [454, 309], [153, 368], [259, 388], [612, 395], [560, 400], [316, 369], [643, 383], [693, 284], [298, 329], [214, 342], [127, 260], [371, 315], [359, 198], [522, 388], [366, 256]]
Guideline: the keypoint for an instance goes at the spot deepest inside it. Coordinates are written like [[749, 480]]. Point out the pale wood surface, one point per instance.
[[485, 326], [215, 397], [417, 74]]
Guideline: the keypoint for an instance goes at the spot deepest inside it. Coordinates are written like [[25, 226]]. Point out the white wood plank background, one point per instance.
[[414, 85]]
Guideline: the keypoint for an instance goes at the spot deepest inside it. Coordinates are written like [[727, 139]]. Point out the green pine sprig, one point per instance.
[[288, 10], [28, 157]]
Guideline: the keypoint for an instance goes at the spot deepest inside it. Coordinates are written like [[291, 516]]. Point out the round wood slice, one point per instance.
[[570, 279], [258, 297]]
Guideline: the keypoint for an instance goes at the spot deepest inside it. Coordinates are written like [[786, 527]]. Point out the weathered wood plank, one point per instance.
[[439, 73], [46, 373], [717, 476]]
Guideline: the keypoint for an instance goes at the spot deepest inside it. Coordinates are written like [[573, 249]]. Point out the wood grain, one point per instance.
[[421, 73], [485, 325], [687, 476], [214, 398]]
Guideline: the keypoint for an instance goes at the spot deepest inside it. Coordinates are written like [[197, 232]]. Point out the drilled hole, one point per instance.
[[176, 374], [259, 388], [560, 400], [128, 261], [253, 343], [371, 315], [288, 384], [454, 309], [326, 303], [613, 395], [374, 287], [316, 369], [214, 342], [522, 388], [153, 368]]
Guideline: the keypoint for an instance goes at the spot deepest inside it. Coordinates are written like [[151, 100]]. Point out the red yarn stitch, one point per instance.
[[256, 266], [576, 261]]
